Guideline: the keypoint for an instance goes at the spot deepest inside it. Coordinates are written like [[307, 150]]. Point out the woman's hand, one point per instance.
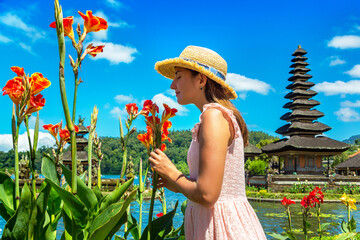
[[162, 182]]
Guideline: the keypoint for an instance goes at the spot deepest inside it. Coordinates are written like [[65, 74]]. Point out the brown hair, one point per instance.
[[214, 92]]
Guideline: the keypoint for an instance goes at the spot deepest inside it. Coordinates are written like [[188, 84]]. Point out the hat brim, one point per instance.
[[167, 69]]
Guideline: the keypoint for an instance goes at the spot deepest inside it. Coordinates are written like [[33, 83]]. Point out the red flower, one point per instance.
[[35, 104], [65, 134], [15, 89], [159, 214], [68, 30], [165, 132], [150, 121], [149, 106], [92, 23], [93, 51], [287, 202], [53, 129], [146, 138], [163, 147], [168, 113], [131, 109], [38, 83], [18, 70]]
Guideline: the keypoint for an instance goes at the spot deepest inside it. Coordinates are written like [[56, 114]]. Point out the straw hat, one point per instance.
[[199, 59]]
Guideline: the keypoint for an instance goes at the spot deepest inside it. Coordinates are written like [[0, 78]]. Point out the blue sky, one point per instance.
[[256, 38]]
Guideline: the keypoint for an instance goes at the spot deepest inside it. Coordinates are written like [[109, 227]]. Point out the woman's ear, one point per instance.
[[203, 79]]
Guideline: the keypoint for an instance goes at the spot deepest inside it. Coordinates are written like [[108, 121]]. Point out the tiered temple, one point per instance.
[[303, 147]]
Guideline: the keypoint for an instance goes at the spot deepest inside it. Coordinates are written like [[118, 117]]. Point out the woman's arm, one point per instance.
[[213, 138]]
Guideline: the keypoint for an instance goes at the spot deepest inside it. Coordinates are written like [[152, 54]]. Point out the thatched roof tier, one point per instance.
[[299, 59], [251, 150], [81, 155], [300, 85], [301, 77], [299, 51], [303, 103], [299, 64], [352, 162], [299, 70], [82, 129], [303, 128], [302, 114], [300, 94], [320, 144]]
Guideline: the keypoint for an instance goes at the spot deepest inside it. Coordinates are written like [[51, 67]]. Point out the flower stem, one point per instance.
[[99, 175], [32, 157], [153, 194], [318, 217], [289, 218], [348, 211], [17, 187], [90, 141]]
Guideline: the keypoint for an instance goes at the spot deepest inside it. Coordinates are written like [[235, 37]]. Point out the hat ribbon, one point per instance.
[[211, 69]]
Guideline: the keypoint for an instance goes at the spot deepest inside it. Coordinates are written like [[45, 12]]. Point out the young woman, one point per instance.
[[217, 206]]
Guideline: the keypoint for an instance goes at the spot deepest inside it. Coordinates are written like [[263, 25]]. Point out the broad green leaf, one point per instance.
[[54, 202], [118, 238], [38, 213], [161, 226], [67, 219], [7, 194], [78, 209], [133, 228], [98, 193], [352, 225], [344, 227], [290, 235], [4, 213], [345, 236], [183, 207], [48, 169], [105, 222], [278, 236], [85, 194], [116, 228], [115, 195]]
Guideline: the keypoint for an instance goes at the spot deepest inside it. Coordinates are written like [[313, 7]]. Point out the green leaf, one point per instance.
[[97, 193], [116, 228], [54, 202], [290, 235], [18, 225], [115, 195], [104, 223], [38, 213], [78, 209], [345, 236], [4, 212], [7, 195], [48, 169], [183, 207], [85, 194], [67, 219], [344, 227], [278, 236], [161, 226], [133, 228], [352, 225]]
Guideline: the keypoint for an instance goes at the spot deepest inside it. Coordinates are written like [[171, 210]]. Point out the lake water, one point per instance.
[[271, 215]]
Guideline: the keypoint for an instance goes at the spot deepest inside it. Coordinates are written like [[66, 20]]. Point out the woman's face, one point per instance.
[[184, 85]]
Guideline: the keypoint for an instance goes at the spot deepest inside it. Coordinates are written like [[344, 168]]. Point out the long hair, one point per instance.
[[214, 92]]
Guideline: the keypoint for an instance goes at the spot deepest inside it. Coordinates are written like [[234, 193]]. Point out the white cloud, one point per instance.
[[355, 71], [160, 98], [345, 42], [347, 115], [107, 106], [13, 20], [124, 99], [4, 39], [116, 112], [114, 3], [244, 84], [115, 53], [26, 47], [335, 60], [347, 103], [338, 87], [45, 139]]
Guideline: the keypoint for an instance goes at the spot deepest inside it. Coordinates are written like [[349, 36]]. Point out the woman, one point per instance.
[[217, 206]]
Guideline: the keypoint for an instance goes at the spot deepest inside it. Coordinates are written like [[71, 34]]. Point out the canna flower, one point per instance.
[[287, 202], [65, 134], [150, 121], [38, 83], [93, 23], [168, 113], [131, 109], [35, 104], [149, 107], [18, 70], [165, 132], [349, 202], [146, 138], [93, 51], [53, 129], [159, 215], [163, 147], [68, 29], [15, 89], [307, 202]]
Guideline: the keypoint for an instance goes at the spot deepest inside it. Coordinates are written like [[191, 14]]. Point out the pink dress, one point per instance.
[[232, 216]]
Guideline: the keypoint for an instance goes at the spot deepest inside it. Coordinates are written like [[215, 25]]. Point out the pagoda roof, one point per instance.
[[299, 93], [310, 144], [313, 128], [300, 69], [82, 129], [299, 59], [301, 103], [299, 51], [299, 76], [297, 64], [81, 155], [352, 162], [296, 84], [302, 113], [252, 150]]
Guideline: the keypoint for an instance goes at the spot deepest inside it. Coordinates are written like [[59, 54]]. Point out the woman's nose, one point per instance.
[[172, 85]]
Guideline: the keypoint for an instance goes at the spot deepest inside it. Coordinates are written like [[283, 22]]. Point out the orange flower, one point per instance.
[[149, 106], [93, 51], [68, 29], [53, 129], [163, 147], [65, 134], [38, 83], [146, 138], [15, 89], [168, 113], [35, 104], [92, 23], [165, 132], [131, 109], [18, 70], [150, 121]]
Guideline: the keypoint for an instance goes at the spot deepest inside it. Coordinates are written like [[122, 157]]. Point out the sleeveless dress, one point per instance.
[[232, 216]]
